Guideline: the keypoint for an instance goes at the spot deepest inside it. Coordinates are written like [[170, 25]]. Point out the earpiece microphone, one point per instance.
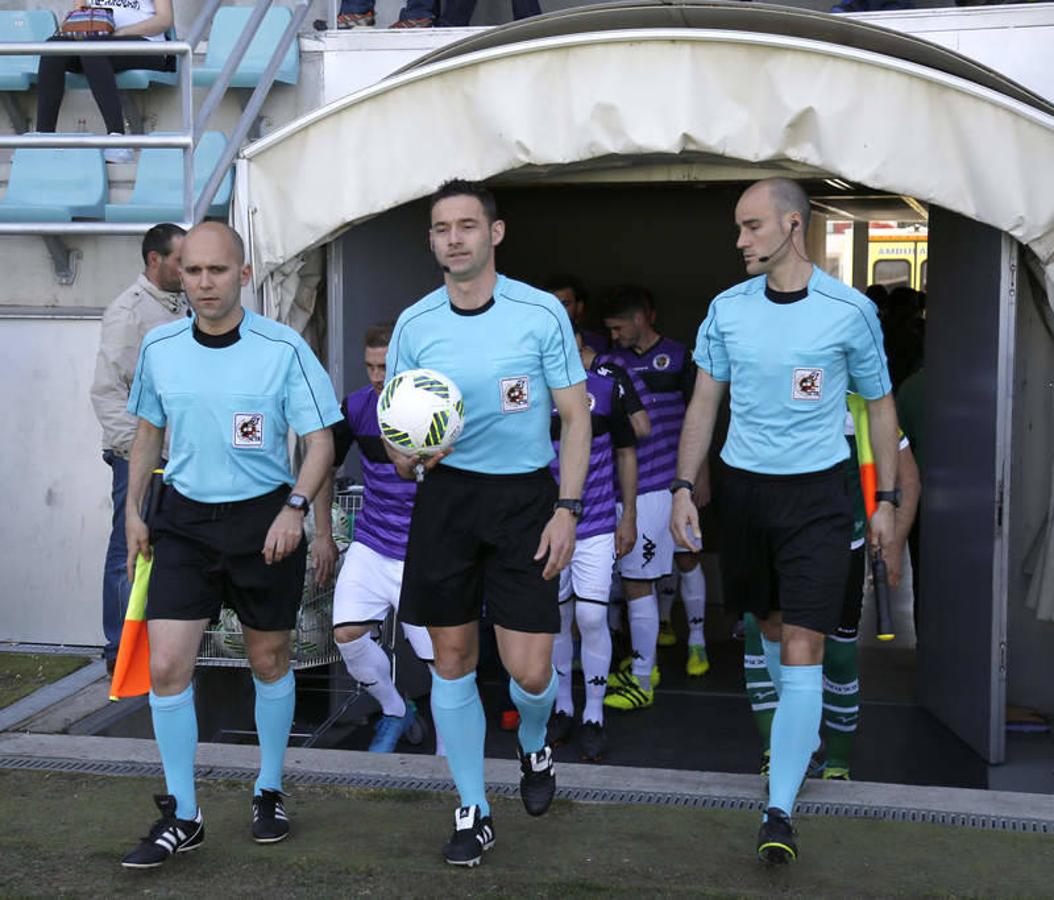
[[786, 240], [444, 268]]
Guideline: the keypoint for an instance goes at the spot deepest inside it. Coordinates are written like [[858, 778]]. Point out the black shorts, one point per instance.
[[853, 601], [474, 536], [207, 555], [785, 545]]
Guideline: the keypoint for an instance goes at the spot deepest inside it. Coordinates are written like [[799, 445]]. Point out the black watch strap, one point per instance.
[[572, 506], [679, 483], [298, 502], [889, 496]]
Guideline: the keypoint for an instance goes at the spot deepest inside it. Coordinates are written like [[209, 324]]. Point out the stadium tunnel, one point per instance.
[[617, 138]]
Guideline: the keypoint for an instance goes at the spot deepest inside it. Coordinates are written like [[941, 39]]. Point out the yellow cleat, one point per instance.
[[667, 636], [618, 677], [629, 696], [697, 663]]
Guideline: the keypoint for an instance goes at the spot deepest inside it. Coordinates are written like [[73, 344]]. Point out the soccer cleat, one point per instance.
[[356, 20], [537, 780], [392, 729], [560, 727], [167, 836], [836, 773], [776, 844], [625, 668], [509, 720], [592, 741], [629, 695], [817, 762], [697, 664], [473, 834], [766, 760], [421, 22], [270, 823], [667, 636]]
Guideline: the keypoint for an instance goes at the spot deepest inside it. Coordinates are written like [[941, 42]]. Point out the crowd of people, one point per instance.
[[580, 476]]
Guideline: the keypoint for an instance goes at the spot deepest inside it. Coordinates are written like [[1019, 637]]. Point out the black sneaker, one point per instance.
[[776, 844], [167, 836], [560, 727], [472, 835], [592, 741], [537, 780], [270, 823]]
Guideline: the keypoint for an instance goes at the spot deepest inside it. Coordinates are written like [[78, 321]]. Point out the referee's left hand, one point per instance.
[[283, 537], [558, 540]]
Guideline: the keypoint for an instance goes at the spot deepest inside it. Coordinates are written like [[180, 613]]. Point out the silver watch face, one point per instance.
[[297, 501]]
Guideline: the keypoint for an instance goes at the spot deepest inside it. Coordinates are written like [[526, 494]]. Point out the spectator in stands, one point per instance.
[[135, 20], [426, 13], [458, 13], [154, 298]]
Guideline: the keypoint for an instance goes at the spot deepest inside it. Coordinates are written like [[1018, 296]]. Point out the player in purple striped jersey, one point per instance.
[[666, 369], [370, 579], [585, 585]]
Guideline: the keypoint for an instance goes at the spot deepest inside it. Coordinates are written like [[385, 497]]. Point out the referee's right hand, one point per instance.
[[684, 521], [138, 537], [406, 465]]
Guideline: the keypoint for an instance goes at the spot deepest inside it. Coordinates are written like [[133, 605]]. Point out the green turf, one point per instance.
[[23, 673], [64, 836]]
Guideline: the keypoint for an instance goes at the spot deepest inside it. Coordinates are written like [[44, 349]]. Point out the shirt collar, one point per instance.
[[173, 302]]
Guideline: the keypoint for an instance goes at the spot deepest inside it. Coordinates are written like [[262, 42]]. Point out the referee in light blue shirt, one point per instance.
[[487, 521], [789, 343], [229, 385]]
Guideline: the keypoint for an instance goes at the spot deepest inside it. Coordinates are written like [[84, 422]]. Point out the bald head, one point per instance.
[[785, 196], [217, 234]]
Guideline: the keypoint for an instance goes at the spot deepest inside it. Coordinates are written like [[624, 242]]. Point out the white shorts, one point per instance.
[[589, 575], [368, 589], [652, 555]]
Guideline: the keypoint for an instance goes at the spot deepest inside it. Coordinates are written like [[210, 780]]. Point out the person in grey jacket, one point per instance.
[[154, 298]]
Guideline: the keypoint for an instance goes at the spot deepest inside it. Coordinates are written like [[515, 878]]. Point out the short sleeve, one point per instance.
[[561, 361], [627, 393], [687, 378], [400, 356], [868, 369], [710, 353], [310, 403], [622, 435], [343, 437], [143, 399]]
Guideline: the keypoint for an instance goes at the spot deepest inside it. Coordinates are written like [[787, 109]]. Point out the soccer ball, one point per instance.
[[420, 412]]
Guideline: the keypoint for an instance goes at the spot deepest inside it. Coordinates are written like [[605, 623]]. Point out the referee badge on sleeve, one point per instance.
[[248, 429], [515, 394], [807, 384]]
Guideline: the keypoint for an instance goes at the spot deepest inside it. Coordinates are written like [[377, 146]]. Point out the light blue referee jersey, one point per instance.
[[505, 357], [790, 365], [230, 408]]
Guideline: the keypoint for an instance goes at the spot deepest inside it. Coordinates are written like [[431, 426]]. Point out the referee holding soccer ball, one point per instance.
[[229, 385], [488, 522]]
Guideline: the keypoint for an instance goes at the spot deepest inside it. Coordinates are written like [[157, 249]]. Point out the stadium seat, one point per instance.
[[158, 192], [133, 79], [227, 25], [49, 185], [19, 73]]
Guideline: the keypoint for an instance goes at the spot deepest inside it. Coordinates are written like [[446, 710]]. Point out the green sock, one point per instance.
[[762, 693], [841, 698]]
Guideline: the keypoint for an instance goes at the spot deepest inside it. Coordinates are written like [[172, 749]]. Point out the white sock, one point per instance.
[[644, 633], [563, 657], [667, 587], [596, 657], [368, 664], [693, 592]]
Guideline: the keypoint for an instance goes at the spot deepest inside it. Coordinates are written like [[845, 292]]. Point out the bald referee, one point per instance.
[[229, 385], [789, 343]]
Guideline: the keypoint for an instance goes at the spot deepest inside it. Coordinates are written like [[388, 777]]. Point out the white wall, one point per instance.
[[56, 487]]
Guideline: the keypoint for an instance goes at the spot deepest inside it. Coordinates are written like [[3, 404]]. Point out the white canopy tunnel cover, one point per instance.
[[879, 121]]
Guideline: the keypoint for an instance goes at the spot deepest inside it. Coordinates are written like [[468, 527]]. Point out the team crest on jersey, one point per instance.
[[661, 361], [807, 384], [591, 400], [515, 394], [248, 429]]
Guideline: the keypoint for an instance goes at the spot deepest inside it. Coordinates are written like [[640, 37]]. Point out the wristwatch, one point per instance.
[[572, 506], [889, 496], [298, 502], [679, 483]]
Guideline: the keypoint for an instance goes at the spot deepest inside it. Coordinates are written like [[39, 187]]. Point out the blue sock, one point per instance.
[[459, 718], [275, 702], [534, 712], [772, 661], [176, 731], [794, 731]]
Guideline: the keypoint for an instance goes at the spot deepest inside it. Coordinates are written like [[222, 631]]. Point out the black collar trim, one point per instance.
[[473, 312], [786, 296], [218, 341]]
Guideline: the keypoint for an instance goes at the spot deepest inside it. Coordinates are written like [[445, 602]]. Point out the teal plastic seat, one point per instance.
[[158, 192], [55, 185], [19, 73], [227, 25], [133, 79]]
